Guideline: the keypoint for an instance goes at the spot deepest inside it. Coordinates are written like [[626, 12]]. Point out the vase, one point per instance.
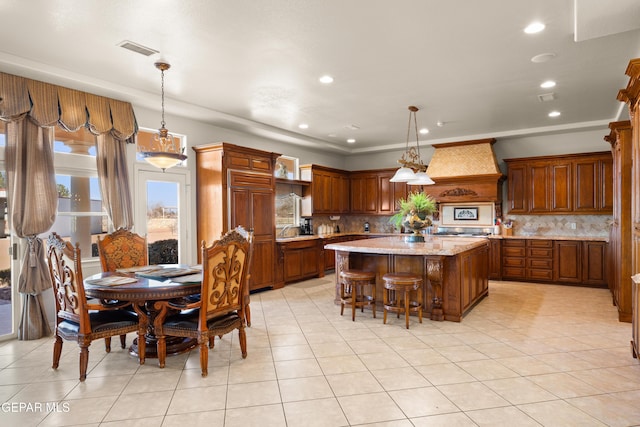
[[416, 222]]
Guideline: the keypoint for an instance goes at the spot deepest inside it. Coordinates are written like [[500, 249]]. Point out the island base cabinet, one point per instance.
[[459, 281]]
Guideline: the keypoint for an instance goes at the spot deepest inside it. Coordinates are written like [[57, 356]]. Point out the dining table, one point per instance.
[[144, 287]]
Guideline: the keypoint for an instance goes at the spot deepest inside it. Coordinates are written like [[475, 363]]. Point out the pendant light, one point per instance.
[[166, 151], [412, 171]]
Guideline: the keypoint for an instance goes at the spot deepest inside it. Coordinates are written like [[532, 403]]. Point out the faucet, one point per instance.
[[284, 229]]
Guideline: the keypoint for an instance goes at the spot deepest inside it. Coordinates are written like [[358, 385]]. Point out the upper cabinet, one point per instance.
[[328, 193], [568, 184]]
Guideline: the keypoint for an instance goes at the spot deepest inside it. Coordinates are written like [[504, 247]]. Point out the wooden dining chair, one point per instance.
[[122, 249], [76, 319], [220, 309], [247, 298]]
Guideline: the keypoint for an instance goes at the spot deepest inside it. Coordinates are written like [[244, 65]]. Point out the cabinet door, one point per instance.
[[567, 261], [263, 260], [516, 188], [339, 194], [586, 189], [594, 271], [495, 259], [292, 265], [310, 259], [539, 188], [364, 194], [389, 193], [560, 187], [606, 186]]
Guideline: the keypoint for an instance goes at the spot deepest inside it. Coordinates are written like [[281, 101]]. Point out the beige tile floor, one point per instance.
[[528, 355]]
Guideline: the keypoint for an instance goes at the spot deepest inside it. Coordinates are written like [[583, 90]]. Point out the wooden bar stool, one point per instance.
[[397, 295], [352, 291]]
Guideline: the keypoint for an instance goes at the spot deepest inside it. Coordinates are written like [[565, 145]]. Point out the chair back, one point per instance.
[[66, 276], [224, 270], [249, 236], [122, 249]]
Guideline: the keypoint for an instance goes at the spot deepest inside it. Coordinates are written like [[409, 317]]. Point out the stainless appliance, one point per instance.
[[463, 232]]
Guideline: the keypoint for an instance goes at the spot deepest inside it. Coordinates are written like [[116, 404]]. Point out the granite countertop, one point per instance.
[[396, 245], [552, 237], [331, 235]]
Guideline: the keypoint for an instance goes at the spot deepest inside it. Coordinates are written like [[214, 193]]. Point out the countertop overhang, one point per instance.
[[447, 246]]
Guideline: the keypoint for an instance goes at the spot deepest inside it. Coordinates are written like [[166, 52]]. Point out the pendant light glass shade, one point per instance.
[[403, 175], [421, 179], [166, 151]]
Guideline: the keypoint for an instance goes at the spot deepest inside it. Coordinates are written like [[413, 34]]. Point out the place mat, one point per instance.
[[191, 278], [168, 272], [112, 280], [140, 269]]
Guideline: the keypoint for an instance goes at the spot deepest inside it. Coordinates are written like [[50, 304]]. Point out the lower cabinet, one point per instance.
[[300, 260], [495, 259], [572, 262]]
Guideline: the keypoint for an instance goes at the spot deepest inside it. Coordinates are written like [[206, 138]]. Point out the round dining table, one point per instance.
[[144, 291]]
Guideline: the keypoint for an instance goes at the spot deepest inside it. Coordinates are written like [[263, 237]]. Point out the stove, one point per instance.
[[463, 232]]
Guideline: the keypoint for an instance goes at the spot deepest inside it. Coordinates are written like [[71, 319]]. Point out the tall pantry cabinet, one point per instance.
[[236, 186], [631, 96]]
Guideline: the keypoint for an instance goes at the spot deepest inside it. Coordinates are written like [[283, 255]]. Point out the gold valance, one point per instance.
[[48, 105]]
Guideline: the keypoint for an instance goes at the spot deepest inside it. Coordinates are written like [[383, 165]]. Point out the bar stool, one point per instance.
[[397, 295], [352, 290]]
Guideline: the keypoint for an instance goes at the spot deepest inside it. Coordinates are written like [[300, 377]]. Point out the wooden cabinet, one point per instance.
[[328, 193], [539, 260], [235, 186], [389, 192], [298, 260], [514, 264], [364, 193], [495, 259], [568, 260], [580, 262], [620, 237], [569, 184]]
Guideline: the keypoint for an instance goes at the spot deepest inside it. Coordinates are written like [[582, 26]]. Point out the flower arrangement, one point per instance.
[[414, 208]]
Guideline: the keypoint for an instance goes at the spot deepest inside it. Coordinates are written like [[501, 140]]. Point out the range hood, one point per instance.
[[465, 172]]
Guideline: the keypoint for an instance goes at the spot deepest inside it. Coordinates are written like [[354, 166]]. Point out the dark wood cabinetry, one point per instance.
[[539, 260], [514, 262], [620, 236], [328, 193], [235, 186], [495, 259], [298, 260], [568, 260], [569, 184], [364, 193]]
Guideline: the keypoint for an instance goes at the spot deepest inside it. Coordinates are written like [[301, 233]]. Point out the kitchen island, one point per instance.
[[454, 269]]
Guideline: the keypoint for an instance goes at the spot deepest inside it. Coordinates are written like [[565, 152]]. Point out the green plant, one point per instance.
[[418, 201]]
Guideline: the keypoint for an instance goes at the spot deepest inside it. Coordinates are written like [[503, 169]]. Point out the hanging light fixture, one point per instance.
[[166, 151], [412, 171]]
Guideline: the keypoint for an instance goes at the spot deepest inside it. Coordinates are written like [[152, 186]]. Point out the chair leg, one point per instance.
[[57, 350], [161, 350], [123, 341], [84, 360], [204, 356], [406, 307], [247, 315], [354, 298], [341, 299], [107, 344], [212, 342], [243, 342]]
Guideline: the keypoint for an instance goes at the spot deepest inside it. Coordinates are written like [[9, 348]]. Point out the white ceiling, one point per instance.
[[254, 65]]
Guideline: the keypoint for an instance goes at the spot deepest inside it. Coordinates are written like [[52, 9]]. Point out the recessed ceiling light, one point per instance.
[[548, 84], [326, 79], [543, 57], [534, 27], [351, 140], [303, 126], [424, 131], [554, 114]]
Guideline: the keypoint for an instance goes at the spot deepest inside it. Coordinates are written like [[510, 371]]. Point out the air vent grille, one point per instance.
[[546, 97], [137, 48]]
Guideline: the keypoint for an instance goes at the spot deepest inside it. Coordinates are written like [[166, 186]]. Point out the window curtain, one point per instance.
[[113, 175], [32, 109]]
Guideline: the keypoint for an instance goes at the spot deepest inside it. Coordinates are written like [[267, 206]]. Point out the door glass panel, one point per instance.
[[162, 222], [6, 314]]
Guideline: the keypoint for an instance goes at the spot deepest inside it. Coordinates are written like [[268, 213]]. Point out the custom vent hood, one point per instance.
[[465, 172]]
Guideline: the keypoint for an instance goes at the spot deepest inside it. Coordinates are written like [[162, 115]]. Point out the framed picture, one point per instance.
[[464, 214]]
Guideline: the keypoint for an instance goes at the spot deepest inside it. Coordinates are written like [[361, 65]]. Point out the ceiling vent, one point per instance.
[[137, 48], [546, 97]]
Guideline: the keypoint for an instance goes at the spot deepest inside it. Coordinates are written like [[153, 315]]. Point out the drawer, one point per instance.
[[246, 161], [546, 264], [537, 274], [540, 252], [513, 262], [540, 243], [513, 252], [249, 179], [513, 272], [513, 243]]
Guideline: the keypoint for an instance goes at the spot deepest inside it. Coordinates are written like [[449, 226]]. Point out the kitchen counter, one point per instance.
[[454, 269], [332, 235], [552, 237]]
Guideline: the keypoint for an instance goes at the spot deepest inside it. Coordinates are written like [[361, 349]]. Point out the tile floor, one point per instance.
[[528, 355]]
